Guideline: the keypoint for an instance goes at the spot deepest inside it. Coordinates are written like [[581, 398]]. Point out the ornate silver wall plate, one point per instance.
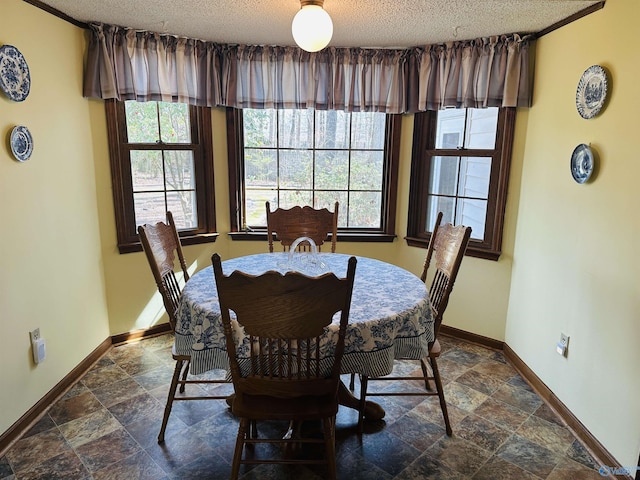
[[581, 163], [21, 143], [592, 91]]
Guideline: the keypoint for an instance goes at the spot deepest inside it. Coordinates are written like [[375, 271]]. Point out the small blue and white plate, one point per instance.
[[15, 80], [21, 143], [582, 163]]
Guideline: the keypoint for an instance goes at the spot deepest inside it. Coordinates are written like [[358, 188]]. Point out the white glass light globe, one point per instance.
[[312, 28]]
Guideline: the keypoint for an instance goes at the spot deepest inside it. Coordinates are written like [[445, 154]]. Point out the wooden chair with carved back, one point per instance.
[[445, 252], [293, 223], [279, 368], [163, 249]]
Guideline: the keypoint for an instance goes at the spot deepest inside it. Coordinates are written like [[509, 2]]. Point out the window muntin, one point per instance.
[[460, 166], [307, 157], [162, 161]]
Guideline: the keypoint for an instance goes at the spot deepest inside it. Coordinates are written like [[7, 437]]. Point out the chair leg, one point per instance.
[[329, 428], [245, 424], [440, 390], [187, 364], [364, 381], [352, 382], [425, 374], [170, 397]]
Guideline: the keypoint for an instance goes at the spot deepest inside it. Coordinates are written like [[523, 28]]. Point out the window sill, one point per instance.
[[186, 240], [342, 237], [472, 251]]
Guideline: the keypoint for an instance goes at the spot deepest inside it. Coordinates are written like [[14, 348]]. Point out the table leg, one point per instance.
[[372, 410]]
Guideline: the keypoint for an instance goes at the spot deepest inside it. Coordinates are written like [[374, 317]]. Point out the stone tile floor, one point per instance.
[[106, 428]]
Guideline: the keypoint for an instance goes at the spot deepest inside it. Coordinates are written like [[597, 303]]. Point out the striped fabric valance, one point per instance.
[[126, 64]]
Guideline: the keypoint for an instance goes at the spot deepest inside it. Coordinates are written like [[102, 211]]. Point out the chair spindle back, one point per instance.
[[162, 246], [446, 250], [282, 318]]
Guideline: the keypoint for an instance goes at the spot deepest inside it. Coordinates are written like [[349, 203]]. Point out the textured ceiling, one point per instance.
[[357, 23]]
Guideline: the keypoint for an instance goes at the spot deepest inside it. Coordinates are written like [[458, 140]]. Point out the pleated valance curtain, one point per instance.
[[126, 64]]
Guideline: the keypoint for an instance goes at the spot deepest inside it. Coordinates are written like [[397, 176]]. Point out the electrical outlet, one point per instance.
[[35, 335], [563, 345], [38, 346]]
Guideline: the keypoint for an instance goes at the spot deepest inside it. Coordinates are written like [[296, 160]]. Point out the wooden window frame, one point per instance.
[[235, 149], [424, 138], [123, 200]]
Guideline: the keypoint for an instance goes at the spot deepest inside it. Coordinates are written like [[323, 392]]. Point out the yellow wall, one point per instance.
[[51, 266], [576, 266]]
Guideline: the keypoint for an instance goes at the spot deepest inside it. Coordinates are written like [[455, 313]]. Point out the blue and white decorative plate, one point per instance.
[[15, 80], [591, 92], [21, 143], [582, 163]]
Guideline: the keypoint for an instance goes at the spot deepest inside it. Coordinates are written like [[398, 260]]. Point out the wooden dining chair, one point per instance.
[[293, 223], [446, 250], [161, 243], [279, 369]]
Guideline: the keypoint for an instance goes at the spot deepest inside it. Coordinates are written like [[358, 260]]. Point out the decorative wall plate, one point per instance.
[[592, 91], [15, 80], [21, 143], [582, 163]]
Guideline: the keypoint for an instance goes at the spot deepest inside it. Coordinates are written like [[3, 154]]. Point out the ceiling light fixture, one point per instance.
[[312, 27]]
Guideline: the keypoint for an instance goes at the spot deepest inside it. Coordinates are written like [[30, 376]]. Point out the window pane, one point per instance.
[[260, 128], [260, 168], [366, 170], [446, 205], [146, 170], [467, 127], [332, 170], [149, 208], [295, 128], [142, 122], [332, 129], [364, 209], [256, 213], [481, 128], [367, 130], [443, 176], [291, 198], [175, 126], [475, 173], [328, 200], [179, 170], [296, 169], [183, 207], [450, 128], [472, 213]]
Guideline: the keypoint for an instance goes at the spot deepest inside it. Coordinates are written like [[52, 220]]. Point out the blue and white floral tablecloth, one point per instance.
[[390, 314]]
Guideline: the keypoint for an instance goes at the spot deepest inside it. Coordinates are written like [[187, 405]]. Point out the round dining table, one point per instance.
[[390, 315]]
